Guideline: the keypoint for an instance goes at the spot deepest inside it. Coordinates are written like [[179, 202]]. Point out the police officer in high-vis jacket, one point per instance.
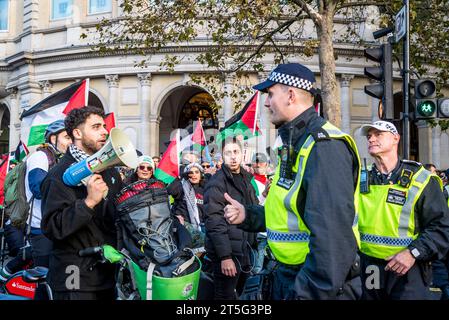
[[309, 213], [403, 220]]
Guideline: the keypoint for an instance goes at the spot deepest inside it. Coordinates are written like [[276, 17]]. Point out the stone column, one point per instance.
[[46, 87], [113, 82], [425, 141], [155, 120], [14, 122], [345, 82], [220, 117], [145, 139], [436, 146], [30, 40], [228, 109]]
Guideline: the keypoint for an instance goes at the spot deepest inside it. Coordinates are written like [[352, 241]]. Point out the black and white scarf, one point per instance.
[[192, 208], [77, 153]]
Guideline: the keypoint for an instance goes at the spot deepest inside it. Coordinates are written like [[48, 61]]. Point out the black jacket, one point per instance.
[[72, 226], [431, 212], [222, 239], [326, 199], [179, 206]]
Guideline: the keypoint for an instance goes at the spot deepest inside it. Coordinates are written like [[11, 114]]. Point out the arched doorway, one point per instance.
[[95, 101], [199, 106], [182, 106], [4, 128]]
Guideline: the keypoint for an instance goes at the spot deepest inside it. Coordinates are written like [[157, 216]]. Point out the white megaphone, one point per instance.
[[118, 151]]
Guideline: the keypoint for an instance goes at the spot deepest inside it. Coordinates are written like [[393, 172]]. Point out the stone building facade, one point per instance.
[[41, 52]]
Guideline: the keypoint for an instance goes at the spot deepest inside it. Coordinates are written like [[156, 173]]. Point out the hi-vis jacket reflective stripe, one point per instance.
[[287, 234], [387, 216]]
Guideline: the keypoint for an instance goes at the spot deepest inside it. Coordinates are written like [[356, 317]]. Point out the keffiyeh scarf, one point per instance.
[[77, 153]]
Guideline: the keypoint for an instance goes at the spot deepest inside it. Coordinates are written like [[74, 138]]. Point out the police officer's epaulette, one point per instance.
[[412, 165], [319, 134]]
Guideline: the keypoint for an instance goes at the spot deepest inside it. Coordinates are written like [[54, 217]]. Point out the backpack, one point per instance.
[[17, 208], [145, 227], [16, 205]]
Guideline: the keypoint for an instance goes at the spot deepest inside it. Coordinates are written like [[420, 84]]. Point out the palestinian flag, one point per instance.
[[254, 184], [168, 168], [109, 120], [55, 107], [199, 143], [243, 123], [198, 137], [21, 152]]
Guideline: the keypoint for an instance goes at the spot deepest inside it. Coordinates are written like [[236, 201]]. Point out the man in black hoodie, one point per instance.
[[226, 245], [78, 217]]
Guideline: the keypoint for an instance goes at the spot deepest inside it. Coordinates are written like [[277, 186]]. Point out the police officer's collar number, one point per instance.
[[396, 196]]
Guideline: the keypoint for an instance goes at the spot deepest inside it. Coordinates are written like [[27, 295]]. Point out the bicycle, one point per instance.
[[22, 285], [134, 283]]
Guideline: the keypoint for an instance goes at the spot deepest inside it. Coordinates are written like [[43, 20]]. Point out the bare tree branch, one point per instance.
[[262, 44], [278, 50], [321, 6], [313, 14]]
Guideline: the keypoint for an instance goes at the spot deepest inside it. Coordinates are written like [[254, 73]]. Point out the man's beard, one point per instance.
[[90, 147]]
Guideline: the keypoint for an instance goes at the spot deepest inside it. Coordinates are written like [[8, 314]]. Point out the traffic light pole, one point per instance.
[[406, 80]]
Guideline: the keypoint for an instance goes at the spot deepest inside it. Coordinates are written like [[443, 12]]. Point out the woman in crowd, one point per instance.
[[144, 171], [188, 201]]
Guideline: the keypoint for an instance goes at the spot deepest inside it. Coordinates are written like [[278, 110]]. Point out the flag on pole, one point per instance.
[[198, 137], [199, 142], [109, 120], [21, 151], [168, 168], [55, 107], [244, 122]]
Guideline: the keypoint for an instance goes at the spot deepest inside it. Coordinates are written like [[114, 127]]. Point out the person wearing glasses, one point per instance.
[[209, 170], [144, 170]]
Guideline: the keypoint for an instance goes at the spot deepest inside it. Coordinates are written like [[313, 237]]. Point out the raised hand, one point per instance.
[[234, 211]]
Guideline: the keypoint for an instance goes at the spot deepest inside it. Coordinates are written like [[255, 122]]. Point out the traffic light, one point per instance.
[[383, 73], [425, 99], [443, 108]]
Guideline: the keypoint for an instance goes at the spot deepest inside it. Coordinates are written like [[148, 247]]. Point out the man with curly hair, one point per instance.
[[78, 217]]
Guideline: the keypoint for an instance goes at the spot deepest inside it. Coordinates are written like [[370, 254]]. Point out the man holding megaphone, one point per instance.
[[80, 216]]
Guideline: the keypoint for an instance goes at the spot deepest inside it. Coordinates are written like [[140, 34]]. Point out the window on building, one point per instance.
[[4, 14], [99, 6], [61, 9]]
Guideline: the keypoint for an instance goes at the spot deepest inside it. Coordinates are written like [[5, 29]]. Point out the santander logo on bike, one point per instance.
[[17, 286]]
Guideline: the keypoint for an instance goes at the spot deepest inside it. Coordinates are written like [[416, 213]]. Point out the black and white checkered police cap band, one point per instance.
[[291, 81]]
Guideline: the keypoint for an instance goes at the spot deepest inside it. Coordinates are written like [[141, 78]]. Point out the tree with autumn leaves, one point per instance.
[[238, 35]]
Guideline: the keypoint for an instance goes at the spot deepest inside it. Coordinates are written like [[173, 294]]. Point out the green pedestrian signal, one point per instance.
[[425, 99], [426, 108]]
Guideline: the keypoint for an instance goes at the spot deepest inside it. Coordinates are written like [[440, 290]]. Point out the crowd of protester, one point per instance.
[[195, 202], [328, 219]]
